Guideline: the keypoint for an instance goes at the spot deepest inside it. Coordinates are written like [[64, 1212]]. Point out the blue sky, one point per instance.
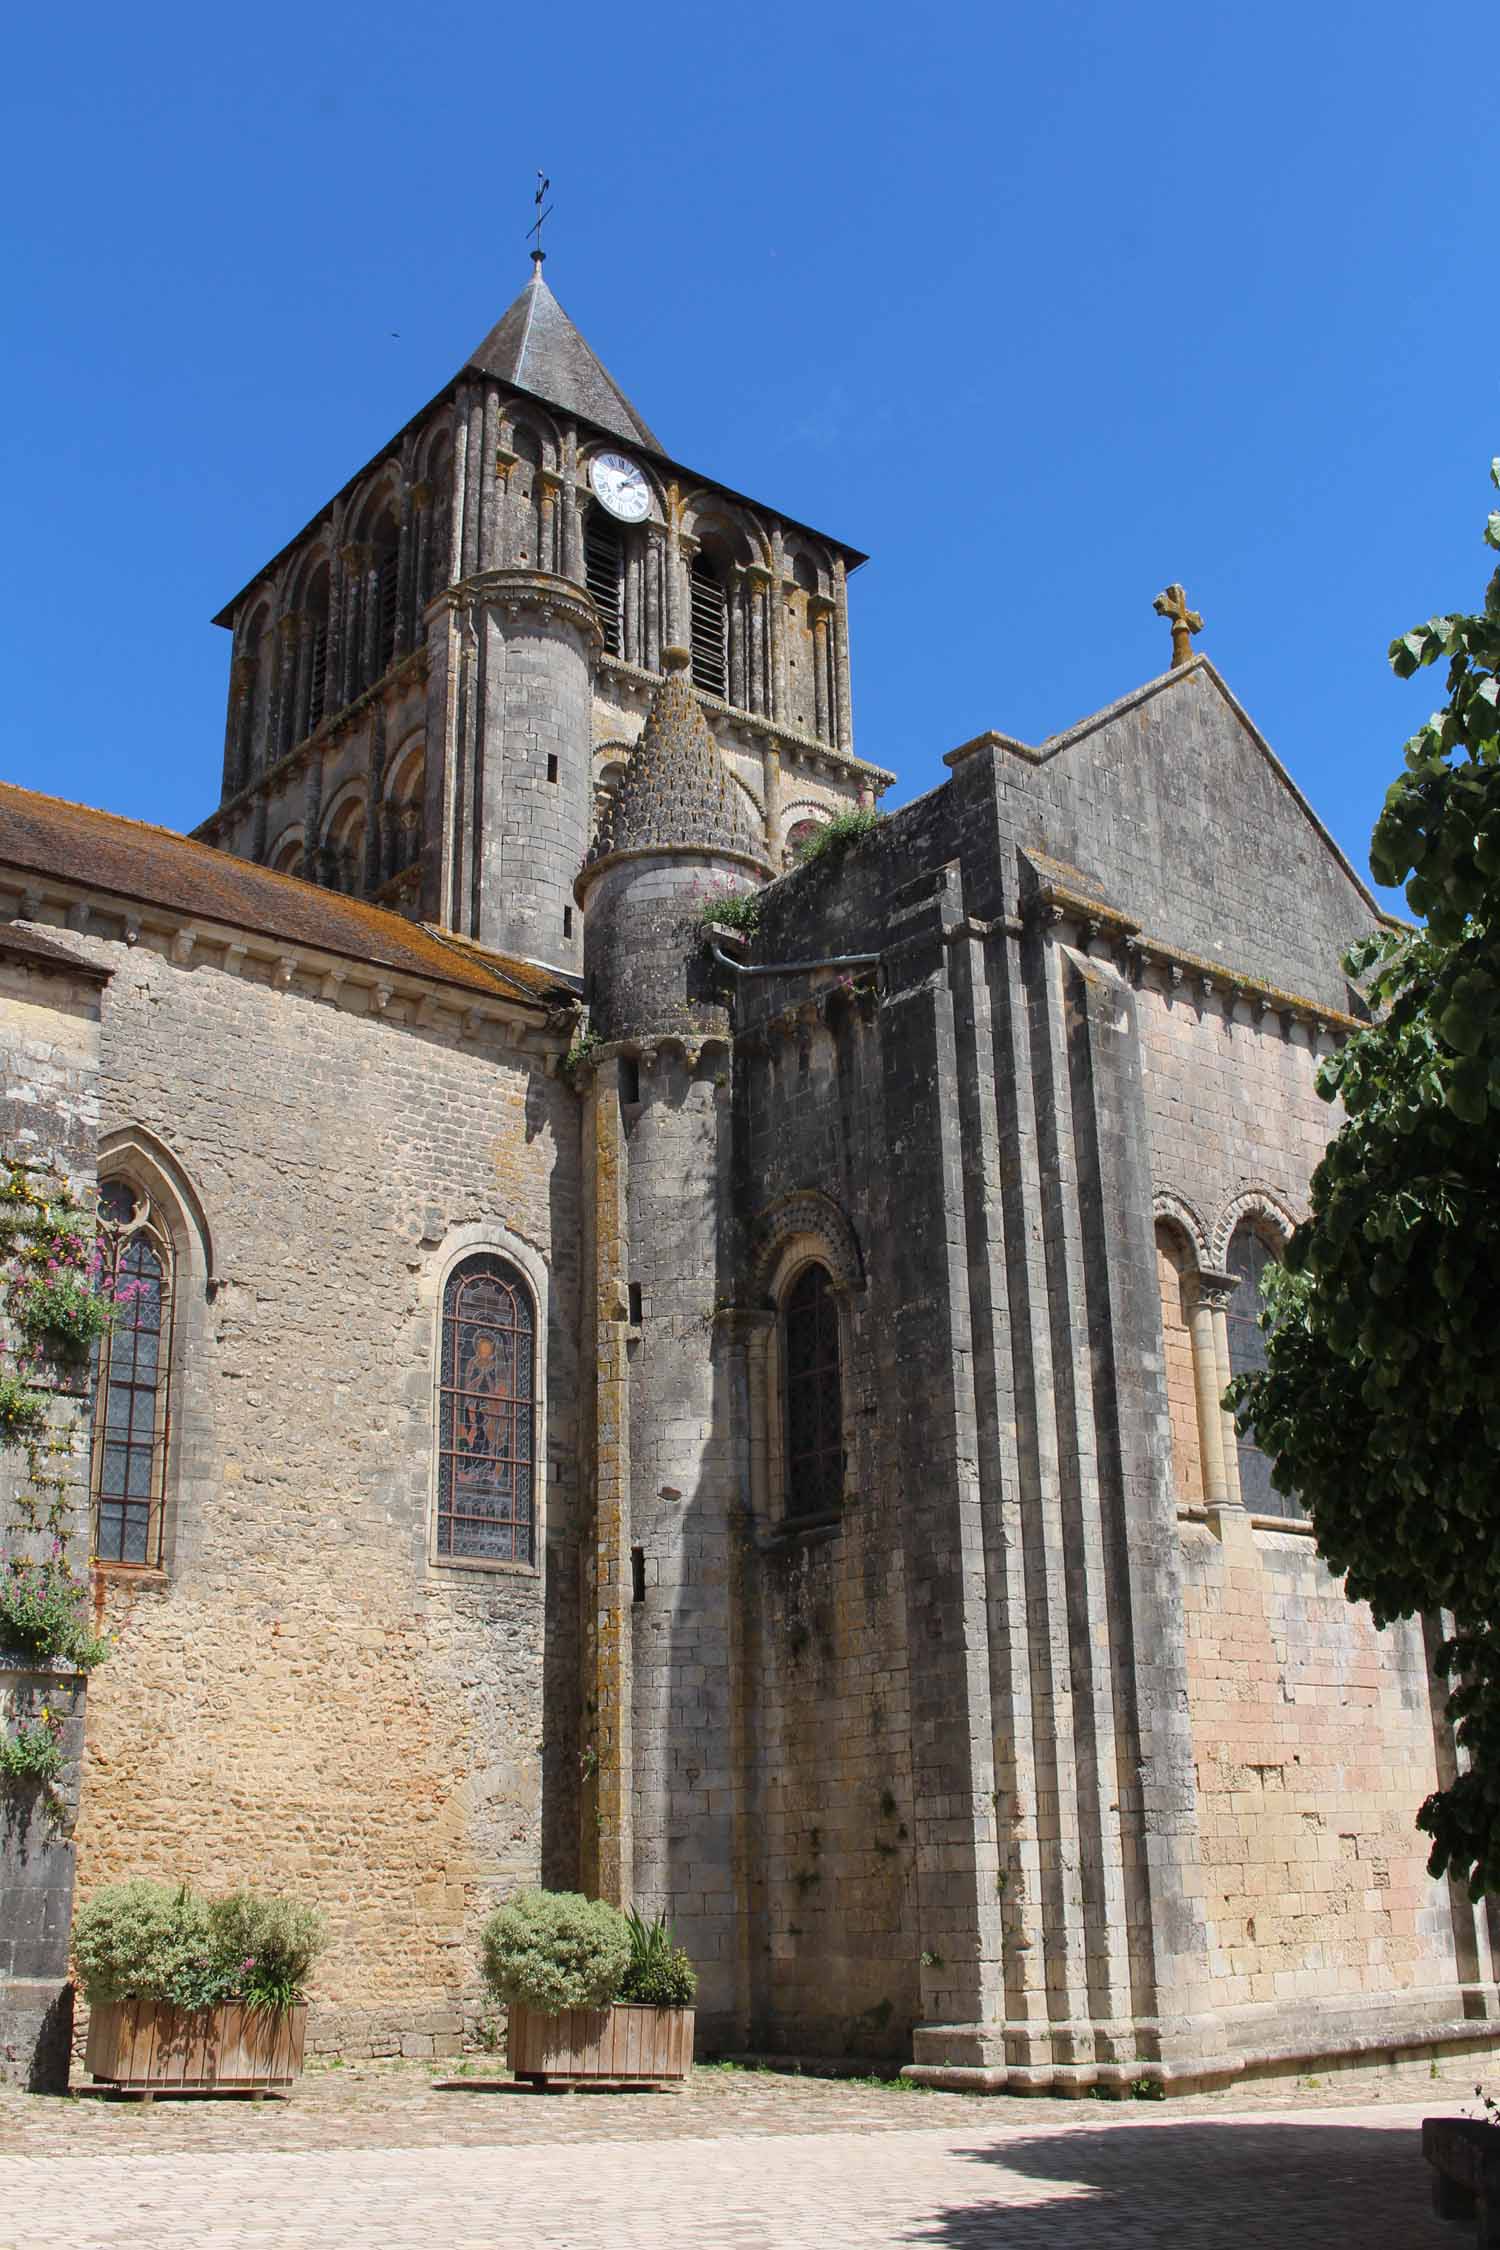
[[1043, 307]]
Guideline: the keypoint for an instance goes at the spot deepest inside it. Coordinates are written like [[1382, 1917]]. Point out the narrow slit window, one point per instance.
[[132, 1367], [486, 1500], [814, 1396], [552, 769]]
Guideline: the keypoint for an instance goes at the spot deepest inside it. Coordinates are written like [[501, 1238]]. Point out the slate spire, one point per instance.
[[536, 347], [676, 788]]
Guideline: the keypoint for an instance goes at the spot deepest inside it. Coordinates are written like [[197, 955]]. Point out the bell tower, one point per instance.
[[437, 684]]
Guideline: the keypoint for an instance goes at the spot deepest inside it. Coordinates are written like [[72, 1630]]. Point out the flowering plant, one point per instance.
[[33, 1752], [161, 1941], [44, 1610]]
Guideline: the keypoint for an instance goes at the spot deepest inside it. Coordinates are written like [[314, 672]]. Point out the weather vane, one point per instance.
[[535, 230]]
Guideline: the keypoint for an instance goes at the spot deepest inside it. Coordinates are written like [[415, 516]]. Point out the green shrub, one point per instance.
[[149, 1941], [23, 1411], [33, 1753], [844, 829], [730, 909], [658, 1972], [161, 1941], [551, 1950], [269, 1943]]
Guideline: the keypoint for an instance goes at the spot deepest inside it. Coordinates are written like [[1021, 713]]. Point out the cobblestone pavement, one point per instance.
[[744, 2160]]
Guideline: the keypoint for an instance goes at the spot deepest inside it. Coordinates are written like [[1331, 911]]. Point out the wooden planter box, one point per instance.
[[1464, 2153], [144, 2047], [626, 2044]]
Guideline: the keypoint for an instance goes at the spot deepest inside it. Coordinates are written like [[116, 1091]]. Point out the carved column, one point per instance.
[[758, 580], [549, 487], [676, 610], [312, 814], [421, 569], [1217, 1289], [492, 491], [474, 481], [406, 569], [355, 560], [1201, 1293], [843, 720], [651, 650], [241, 718], [572, 521], [369, 621], [734, 601], [457, 490], [778, 628]]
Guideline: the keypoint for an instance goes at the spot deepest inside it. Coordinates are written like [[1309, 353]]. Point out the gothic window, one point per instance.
[[604, 572], [710, 625], [132, 1367], [1249, 1256], [487, 1415], [813, 1396]]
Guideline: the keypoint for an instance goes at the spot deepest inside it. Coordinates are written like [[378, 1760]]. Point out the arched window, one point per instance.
[[132, 1369], [486, 1415], [799, 834], [1249, 1255], [710, 625], [813, 1395], [604, 572], [1174, 1265]]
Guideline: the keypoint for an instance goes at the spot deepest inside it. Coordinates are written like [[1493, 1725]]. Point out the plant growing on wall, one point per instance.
[[33, 1753], [837, 834], [1380, 1401], [44, 1611]]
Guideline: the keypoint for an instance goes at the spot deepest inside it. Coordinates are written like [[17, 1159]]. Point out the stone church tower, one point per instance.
[[726, 1418], [437, 681]]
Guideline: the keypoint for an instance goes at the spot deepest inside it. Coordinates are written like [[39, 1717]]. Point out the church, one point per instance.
[[687, 1316]]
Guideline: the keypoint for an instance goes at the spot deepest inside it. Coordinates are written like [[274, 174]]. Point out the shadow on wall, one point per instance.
[[1259, 2186]]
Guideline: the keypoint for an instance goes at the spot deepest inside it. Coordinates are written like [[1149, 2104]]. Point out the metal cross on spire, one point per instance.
[[1185, 622], [535, 230]]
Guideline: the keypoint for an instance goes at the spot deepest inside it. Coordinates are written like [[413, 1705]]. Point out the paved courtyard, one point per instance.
[[373, 2155]]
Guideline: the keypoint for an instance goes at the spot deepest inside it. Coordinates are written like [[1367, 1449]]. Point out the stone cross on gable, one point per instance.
[[1185, 622]]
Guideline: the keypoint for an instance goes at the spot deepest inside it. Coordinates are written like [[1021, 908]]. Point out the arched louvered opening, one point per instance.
[[710, 626], [604, 573], [387, 549], [317, 650]]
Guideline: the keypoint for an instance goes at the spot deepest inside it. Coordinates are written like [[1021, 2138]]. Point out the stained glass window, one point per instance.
[[486, 1416], [814, 1406], [131, 1368], [1249, 1256]]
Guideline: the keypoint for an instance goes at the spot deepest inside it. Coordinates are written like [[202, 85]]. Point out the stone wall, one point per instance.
[[50, 998], [304, 1697]]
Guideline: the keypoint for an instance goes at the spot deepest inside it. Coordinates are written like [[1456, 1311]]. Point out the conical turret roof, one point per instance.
[[676, 788], [536, 347]]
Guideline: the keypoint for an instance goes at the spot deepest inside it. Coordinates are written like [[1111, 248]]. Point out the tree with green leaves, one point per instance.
[[1379, 1404]]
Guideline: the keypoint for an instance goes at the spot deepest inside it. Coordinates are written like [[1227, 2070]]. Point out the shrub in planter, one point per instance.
[[149, 1941], [551, 1950], [658, 1973], [271, 1942]]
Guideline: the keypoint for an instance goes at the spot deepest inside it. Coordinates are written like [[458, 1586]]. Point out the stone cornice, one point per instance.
[[596, 867], [516, 589]]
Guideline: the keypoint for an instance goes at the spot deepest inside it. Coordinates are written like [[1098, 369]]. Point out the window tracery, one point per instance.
[[813, 1391]]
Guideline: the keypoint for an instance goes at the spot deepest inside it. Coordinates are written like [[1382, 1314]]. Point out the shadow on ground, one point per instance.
[[1201, 2182]]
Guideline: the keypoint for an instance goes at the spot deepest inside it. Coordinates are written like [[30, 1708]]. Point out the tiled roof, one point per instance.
[[536, 347], [156, 867], [676, 788]]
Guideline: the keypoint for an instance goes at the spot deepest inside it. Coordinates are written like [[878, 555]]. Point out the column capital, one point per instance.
[[1211, 1288]]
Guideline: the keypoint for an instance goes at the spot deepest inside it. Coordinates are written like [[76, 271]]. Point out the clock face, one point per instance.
[[620, 487]]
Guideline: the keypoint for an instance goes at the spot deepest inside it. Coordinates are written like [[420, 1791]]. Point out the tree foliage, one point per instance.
[[1380, 1401]]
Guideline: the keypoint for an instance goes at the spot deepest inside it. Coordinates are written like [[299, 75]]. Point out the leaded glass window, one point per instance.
[[1249, 1256], [131, 1368], [814, 1403], [486, 1505]]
